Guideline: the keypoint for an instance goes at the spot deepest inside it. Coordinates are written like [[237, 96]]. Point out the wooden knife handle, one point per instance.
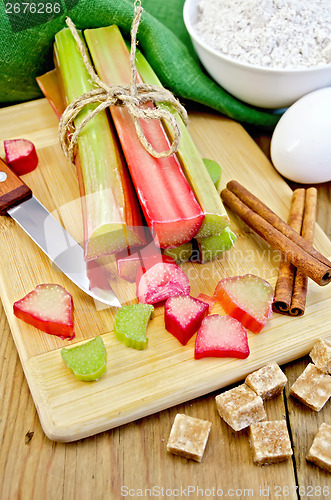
[[12, 190]]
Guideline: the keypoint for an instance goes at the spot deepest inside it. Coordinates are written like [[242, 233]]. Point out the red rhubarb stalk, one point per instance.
[[168, 202]]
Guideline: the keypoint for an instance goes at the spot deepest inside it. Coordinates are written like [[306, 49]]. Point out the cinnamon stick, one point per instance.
[[304, 259], [300, 288], [287, 271], [260, 208]]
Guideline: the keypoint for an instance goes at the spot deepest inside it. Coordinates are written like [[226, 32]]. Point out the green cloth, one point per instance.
[[27, 38]]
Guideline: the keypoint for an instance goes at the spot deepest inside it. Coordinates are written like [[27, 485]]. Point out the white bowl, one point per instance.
[[256, 85]]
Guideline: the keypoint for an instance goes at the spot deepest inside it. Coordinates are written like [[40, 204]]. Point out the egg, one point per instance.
[[301, 142]]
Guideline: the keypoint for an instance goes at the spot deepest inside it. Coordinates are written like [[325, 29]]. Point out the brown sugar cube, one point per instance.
[[270, 442], [321, 355], [240, 407], [320, 451], [312, 388], [268, 381], [188, 437]]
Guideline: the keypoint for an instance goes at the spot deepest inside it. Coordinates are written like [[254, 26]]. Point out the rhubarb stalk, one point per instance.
[[193, 165], [170, 207], [111, 213]]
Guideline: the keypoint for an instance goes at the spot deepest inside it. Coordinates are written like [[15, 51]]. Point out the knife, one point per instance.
[[17, 200]]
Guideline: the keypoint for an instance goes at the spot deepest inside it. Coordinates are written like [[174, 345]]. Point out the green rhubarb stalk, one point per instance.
[[169, 204], [216, 218], [213, 246], [110, 210]]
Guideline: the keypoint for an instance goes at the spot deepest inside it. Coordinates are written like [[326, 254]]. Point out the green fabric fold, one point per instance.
[[27, 39]]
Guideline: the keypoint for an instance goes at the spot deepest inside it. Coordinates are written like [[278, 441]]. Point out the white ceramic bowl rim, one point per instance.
[[257, 67]]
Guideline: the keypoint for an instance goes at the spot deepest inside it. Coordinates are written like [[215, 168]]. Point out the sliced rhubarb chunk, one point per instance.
[[161, 281], [180, 254], [131, 324], [246, 298], [213, 246], [127, 265], [221, 336], [168, 202], [49, 307], [130, 260], [207, 299], [183, 316], [86, 361], [21, 155]]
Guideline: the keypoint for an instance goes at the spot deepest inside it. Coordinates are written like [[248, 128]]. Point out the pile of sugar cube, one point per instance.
[[243, 407]]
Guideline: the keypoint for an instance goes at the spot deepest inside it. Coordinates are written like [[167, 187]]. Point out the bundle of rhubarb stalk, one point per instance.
[[126, 189], [123, 187]]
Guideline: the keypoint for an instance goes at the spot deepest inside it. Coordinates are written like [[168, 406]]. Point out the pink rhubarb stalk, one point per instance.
[[168, 202]]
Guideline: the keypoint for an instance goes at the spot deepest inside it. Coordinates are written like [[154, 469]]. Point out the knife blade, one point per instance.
[[17, 200]]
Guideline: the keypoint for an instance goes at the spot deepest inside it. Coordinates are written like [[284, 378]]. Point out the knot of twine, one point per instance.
[[132, 96]]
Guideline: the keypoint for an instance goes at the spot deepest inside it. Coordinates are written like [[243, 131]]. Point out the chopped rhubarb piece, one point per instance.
[[21, 155], [131, 324], [213, 246], [161, 281], [183, 316], [49, 307], [180, 254], [127, 265], [221, 337], [148, 261], [87, 361], [207, 299], [130, 260], [246, 298], [168, 202]]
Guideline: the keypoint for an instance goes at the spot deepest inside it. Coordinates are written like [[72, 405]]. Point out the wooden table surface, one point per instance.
[[132, 461]]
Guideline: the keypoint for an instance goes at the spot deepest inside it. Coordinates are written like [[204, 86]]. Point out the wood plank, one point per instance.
[[312, 480], [166, 373], [133, 456], [130, 455]]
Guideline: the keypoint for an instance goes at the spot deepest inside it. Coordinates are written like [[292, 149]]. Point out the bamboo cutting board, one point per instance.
[[138, 383]]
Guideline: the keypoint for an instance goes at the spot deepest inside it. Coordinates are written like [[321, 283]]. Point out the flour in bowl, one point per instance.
[[288, 34]]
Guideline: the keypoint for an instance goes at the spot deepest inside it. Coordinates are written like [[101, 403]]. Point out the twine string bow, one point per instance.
[[133, 96]]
